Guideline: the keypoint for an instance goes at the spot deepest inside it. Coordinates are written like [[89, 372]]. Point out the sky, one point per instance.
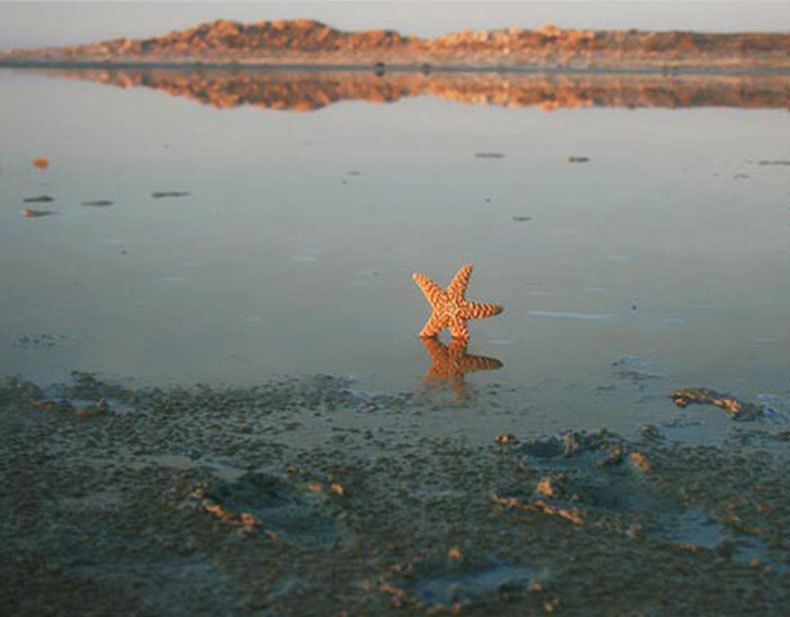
[[35, 24]]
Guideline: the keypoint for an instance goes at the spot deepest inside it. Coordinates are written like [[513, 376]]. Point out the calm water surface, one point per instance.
[[666, 254]]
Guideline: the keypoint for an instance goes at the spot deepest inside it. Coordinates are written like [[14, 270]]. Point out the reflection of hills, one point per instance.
[[310, 89]]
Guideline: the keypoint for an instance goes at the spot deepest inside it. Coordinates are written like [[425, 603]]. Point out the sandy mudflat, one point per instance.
[[305, 497]]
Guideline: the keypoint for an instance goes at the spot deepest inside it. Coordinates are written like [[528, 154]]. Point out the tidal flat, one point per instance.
[[214, 400], [206, 501]]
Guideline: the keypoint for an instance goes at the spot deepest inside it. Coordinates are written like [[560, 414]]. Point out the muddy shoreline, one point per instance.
[[206, 501]]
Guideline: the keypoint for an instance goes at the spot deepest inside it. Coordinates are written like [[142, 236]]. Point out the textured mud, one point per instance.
[[287, 499]]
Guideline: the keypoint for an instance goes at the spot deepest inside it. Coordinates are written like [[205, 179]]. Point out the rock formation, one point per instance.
[[304, 41]]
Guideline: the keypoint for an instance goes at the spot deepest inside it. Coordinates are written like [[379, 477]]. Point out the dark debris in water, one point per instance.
[[633, 368], [163, 194], [489, 155], [39, 199], [39, 341]]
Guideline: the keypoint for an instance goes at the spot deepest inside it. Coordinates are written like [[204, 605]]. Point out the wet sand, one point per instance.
[[307, 497]]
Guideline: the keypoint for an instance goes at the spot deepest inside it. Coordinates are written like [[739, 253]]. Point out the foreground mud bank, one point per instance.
[[307, 497], [305, 41]]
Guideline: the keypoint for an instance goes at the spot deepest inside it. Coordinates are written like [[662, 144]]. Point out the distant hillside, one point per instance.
[[304, 41]]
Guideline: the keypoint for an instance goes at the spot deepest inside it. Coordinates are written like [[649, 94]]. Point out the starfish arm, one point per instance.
[[478, 310], [458, 285], [432, 327], [458, 329], [430, 290]]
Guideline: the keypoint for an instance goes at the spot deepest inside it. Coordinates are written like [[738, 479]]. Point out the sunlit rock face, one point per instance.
[[305, 41]]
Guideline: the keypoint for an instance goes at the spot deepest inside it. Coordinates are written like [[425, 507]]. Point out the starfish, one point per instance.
[[451, 309], [451, 363]]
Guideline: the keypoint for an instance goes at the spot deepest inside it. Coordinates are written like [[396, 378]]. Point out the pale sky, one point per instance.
[[34, 24]]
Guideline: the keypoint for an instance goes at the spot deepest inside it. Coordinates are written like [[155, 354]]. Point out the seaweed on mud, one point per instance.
[[736, 410]]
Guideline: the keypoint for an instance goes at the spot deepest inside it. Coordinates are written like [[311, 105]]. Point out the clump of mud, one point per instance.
[[287, 498]]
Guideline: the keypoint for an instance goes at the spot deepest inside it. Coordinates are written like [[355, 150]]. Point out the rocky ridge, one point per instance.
[[305, 41]]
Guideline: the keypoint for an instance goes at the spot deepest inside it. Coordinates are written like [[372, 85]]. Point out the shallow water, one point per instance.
[[286, 240]]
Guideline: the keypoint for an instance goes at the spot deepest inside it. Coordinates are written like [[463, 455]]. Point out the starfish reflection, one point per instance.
[[451, 363]]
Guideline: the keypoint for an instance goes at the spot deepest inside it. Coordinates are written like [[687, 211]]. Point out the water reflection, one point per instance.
[[450, 364], [308, 90], [32, 213]]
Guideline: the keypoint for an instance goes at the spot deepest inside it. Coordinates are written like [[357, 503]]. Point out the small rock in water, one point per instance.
[[633, 367], [161, 194], [650, 431], [577, 159], [98, 203], [40, 199], [41, 162]]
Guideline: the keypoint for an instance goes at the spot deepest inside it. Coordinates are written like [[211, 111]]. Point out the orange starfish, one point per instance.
[[451, 363], [451, 309]]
